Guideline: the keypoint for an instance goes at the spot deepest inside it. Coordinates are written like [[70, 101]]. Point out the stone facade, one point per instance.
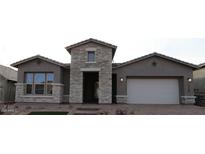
[[56, 97], [103, 63], [188, 99], [121, 99]]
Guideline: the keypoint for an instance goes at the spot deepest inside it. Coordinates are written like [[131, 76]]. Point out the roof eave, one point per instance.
[[69, 48], [201, 65], [36, 57]]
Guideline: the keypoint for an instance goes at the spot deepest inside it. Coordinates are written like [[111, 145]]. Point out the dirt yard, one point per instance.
[[114, 109]]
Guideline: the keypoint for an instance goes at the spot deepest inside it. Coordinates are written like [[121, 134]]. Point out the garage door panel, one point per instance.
[[153, 91]]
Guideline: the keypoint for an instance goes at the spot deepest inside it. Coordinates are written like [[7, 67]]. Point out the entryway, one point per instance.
[[90, 87]]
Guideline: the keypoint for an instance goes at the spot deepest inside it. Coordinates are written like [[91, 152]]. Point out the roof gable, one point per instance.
[[37, 57], [157, 55], [69, 48]]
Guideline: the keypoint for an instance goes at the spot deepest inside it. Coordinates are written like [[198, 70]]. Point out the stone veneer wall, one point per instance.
[[188, 99], [56, 97], [104, 66], [121, 99], [65, 99]]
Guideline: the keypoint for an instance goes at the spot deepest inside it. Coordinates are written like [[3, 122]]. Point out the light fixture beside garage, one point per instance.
[[121, 79], [189, 80]]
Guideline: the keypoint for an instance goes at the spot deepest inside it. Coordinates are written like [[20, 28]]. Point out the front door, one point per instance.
[[90, 87]]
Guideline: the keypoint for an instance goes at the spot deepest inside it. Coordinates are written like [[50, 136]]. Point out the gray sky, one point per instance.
[[45, 27]]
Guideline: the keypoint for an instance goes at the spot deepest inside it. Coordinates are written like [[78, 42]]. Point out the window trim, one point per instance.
[[33, 93]]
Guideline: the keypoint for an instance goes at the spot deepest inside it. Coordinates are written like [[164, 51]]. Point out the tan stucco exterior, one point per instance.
[[163, 68]]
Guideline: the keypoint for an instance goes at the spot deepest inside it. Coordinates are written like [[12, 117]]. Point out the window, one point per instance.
[[29, 89], [91, 56], [49, 80], [39, 78], [29, 82], [39, 89], [39, 83]]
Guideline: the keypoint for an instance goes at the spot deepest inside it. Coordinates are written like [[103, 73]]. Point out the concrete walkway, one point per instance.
[[88, 109]]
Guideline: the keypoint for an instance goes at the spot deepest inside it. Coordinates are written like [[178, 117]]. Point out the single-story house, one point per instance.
[[91, 77], [8, 78]]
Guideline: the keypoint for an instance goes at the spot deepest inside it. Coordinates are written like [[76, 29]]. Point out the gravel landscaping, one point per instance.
[[114, 109]]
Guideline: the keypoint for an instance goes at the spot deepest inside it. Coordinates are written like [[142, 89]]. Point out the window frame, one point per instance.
[[49, 83], [45, 84], [36, 83]]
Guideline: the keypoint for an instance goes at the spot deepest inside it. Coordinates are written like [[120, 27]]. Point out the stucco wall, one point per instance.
[[39, 66], [164, 68], [103, 63]]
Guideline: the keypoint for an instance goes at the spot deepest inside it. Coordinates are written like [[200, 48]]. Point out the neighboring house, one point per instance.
[[199, 79], [91, 77], [199, 84], [8, 78]]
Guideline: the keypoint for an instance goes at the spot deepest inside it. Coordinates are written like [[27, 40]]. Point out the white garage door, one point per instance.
[[153, 91]]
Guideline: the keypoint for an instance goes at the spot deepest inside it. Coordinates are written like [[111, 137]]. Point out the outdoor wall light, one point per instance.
[[189, 79], [121, 79]]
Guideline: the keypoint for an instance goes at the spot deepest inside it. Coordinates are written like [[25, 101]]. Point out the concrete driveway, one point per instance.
[[120, 109]]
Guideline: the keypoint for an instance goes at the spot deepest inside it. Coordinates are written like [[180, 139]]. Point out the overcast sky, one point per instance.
[[45, 27]]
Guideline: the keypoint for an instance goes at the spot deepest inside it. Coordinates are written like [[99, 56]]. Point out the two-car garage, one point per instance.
[[152, 91], [154, 79]]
